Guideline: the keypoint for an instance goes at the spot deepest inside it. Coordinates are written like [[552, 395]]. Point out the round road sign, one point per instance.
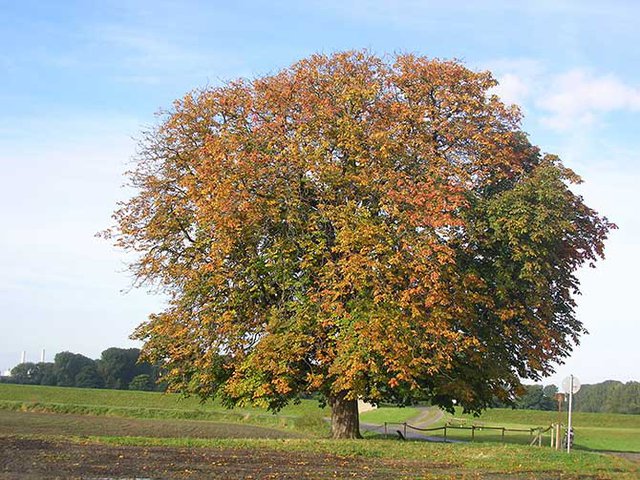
[[566, 384]]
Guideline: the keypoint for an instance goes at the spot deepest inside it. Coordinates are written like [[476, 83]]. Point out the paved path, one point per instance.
[[427, 417]]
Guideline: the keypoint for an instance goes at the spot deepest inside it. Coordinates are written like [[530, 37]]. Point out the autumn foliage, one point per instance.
[[356, 227]]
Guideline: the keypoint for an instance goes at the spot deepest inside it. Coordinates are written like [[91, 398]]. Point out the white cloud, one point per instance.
[[512, 89], [563, 100], [574, 102], [518, 79], [579, 97]]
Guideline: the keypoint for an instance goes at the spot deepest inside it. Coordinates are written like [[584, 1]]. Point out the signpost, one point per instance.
[[570, 385], [559, 399]]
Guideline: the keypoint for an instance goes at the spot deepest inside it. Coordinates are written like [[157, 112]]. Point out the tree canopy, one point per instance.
[[359, 227], [119, 366], [609, 396], [67, 366]]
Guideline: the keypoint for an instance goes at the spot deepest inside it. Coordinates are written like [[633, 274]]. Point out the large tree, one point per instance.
[[358, 227], [118, 366], [67, 366]]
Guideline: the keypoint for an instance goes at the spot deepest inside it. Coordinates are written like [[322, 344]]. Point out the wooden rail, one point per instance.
[[535, 433]]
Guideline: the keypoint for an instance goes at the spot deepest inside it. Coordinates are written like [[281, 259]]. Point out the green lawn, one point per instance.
[[128, 398], [539, 418], [593, 431]]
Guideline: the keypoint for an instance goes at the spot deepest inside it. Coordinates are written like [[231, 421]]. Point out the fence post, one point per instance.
[[405, 429], [552, 431], [473, 432], [540, 437], [385, 429], [445, 433], [503, 429]]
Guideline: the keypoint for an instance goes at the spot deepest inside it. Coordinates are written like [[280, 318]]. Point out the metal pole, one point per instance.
[[570, 407], [559, 399]]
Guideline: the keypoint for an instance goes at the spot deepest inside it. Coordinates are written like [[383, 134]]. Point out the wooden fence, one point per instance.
[[535, 434]]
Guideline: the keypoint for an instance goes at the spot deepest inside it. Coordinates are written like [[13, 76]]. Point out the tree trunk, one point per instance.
[[344, 417]]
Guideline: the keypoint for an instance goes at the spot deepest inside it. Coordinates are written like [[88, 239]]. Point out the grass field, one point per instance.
[[134, 399], [593, 431], [134, 433]]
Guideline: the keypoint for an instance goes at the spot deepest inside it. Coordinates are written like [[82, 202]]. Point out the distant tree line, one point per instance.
[[608, 397], [117, 368], [538, 397]]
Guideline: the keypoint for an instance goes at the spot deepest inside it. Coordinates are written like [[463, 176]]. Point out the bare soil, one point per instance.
[[32, 446], [29, 458], [32, 458]]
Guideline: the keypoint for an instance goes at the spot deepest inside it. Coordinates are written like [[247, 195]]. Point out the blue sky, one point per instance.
[[80, 80]]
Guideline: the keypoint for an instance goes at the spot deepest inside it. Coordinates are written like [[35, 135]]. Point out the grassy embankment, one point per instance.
[[305, 417]]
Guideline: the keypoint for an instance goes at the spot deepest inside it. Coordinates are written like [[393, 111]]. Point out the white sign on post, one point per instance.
[[566, 385], [570, 385]]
